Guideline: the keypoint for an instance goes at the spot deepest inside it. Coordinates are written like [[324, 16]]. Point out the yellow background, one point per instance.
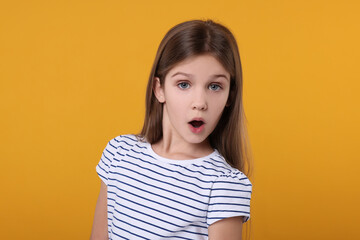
[[73, 76]]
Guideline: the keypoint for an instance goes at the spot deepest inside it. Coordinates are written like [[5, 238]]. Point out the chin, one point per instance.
[[197, 139]]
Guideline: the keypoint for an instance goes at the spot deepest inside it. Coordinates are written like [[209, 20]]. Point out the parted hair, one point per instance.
[[192, 38]]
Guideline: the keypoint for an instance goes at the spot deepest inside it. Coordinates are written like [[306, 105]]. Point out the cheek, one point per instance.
[[176, 107], [218, 106], [177, 99], [219, 102], [172, 94]]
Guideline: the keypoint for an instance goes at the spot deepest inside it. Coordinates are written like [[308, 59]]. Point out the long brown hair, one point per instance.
[[193, 38]]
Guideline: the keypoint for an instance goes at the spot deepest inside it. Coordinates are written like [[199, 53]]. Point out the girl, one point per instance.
[[183, 176]]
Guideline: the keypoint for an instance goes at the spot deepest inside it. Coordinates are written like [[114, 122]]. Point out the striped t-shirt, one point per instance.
[[152, 197]]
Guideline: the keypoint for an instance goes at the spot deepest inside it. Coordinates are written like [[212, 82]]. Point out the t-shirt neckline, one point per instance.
[[176, 161]]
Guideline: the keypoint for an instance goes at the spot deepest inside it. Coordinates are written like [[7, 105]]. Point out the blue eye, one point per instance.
[[214, 87], [183, 85]]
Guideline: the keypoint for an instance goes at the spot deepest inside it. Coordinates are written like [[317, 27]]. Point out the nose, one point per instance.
[[200, 102]]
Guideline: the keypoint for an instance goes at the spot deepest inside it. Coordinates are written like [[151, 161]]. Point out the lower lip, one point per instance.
[[196, 130]]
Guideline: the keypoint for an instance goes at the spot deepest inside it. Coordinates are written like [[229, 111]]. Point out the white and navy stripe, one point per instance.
[[151, 197]]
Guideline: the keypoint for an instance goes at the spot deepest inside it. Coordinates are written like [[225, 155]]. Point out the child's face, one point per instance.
[[194, 94]]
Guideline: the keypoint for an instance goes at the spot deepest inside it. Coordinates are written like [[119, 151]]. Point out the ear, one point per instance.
[[158, 90]]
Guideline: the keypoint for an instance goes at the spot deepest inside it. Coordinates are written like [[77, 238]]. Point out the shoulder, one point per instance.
[[225, 170], [226, 174], [234, 179], [124, 142]]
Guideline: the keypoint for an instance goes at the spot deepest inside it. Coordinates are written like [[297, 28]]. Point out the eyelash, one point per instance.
[[212, 84]]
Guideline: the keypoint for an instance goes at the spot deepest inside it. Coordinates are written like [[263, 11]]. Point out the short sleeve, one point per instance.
[[230, 197], [106, 159]]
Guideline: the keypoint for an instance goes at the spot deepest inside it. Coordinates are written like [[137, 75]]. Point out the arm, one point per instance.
[[100, 225], [226, 229]]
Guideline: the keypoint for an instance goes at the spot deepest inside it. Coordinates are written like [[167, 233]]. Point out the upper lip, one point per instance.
[[198, 119]]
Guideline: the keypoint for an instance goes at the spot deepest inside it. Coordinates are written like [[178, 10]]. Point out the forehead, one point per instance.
[[202, 65]]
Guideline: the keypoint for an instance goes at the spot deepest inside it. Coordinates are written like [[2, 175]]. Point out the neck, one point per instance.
[[170, 148]]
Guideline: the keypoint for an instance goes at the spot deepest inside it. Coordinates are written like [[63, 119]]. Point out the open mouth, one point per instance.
[[196, 124]]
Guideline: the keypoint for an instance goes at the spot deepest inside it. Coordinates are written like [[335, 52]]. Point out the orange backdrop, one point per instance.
[[73, 76]]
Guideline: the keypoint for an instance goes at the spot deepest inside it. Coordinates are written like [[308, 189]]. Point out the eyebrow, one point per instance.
[[190, 75]]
